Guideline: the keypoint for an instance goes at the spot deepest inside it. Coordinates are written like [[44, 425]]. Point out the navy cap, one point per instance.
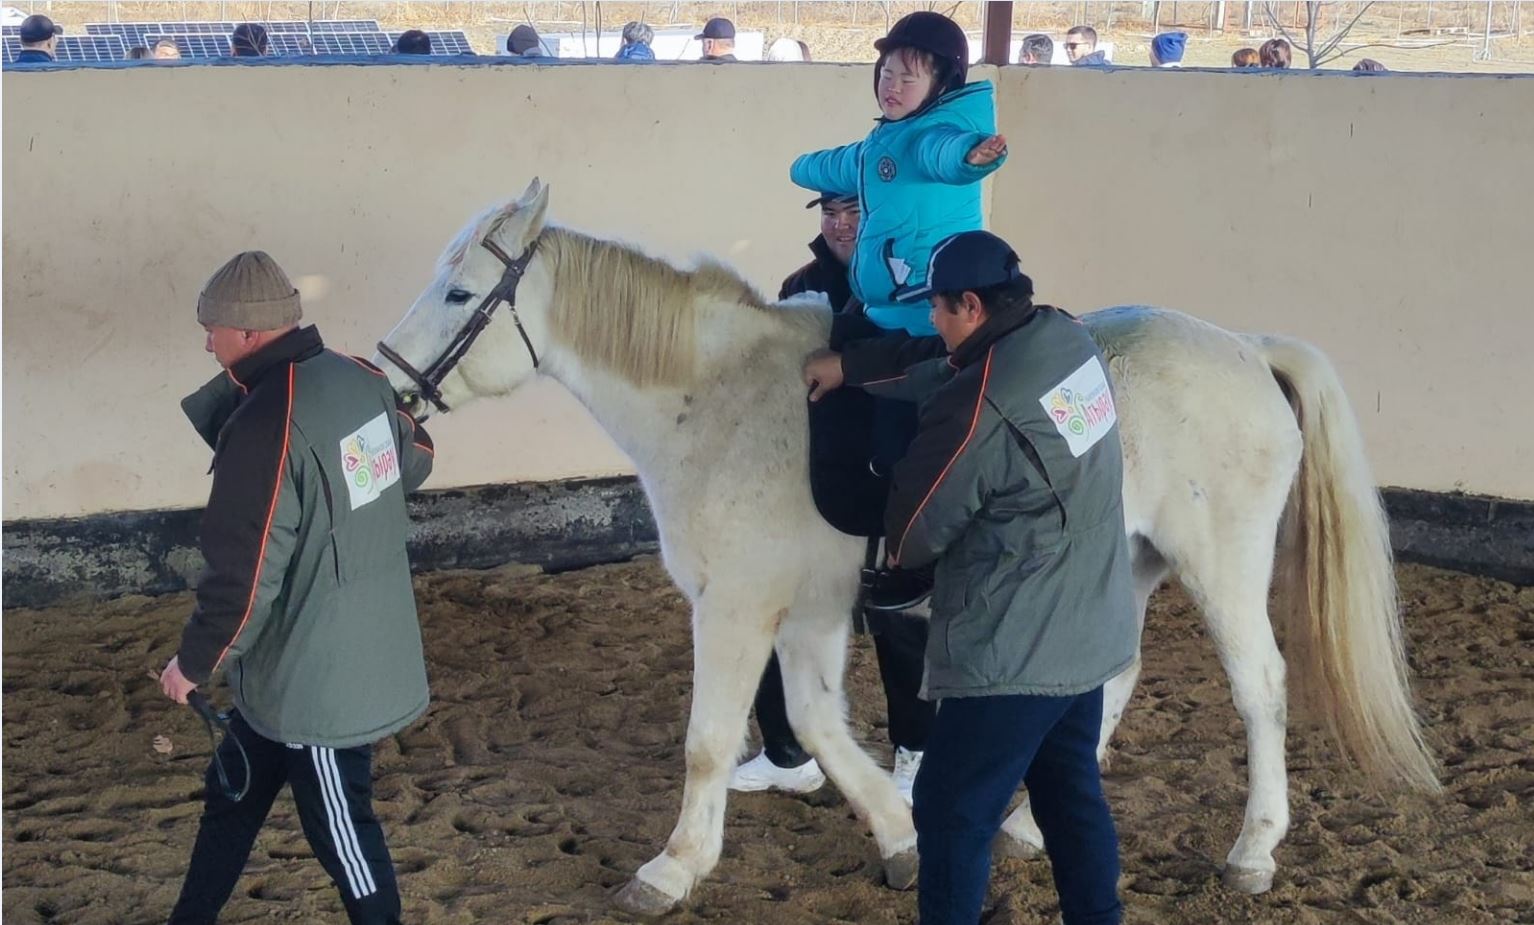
[[38, 28], [824, 198], [966, 261], [717, 28], [522, 40]]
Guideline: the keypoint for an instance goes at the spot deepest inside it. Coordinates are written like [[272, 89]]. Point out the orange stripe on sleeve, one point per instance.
[[974, 422], [271, 513]]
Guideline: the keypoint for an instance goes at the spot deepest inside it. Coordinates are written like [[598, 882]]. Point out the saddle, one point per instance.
[[850, 431]]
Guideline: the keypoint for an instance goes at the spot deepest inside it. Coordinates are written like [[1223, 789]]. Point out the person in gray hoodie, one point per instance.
[[306, 601]]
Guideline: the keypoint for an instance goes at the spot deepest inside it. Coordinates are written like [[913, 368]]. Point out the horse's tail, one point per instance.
[[1336, 580]]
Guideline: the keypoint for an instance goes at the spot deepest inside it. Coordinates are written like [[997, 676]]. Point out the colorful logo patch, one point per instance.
[[370, 461], [1081, 406], [886, 168]]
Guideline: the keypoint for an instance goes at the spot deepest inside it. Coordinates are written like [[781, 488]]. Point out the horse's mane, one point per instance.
[[640, 321]]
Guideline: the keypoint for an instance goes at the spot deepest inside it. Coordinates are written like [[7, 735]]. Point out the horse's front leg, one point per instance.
[[732, 637]]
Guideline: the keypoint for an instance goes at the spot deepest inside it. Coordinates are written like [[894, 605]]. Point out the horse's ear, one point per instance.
[[537, 208], [531, 193]]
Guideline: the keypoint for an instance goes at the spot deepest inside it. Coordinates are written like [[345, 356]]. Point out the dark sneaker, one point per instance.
[[898, 589]]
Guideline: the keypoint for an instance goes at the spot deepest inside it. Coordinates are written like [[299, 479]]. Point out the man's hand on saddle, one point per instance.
[[987, 151], [823, 373]]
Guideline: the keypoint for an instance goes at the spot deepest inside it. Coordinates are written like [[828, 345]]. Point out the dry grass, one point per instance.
[[845, 31]]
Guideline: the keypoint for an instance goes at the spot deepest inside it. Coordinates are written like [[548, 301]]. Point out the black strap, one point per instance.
[[429, 382], [198, 701], [865, 585]]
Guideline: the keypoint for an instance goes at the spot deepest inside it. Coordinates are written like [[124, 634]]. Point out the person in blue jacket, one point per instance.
[[917, 176], [918, 172]]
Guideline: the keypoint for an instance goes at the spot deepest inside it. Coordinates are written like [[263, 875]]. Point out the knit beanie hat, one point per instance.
[[249, 293], [1168, 46]]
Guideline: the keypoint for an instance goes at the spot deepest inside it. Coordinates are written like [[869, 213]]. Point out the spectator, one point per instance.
[[1369, 66], [1037, 48], [1244, 57], [138, 53], [524, 42], [248, 40], [1275, 53], [166, 50], [1166, 49], [786, 49], [718, 37], [637, 37], [1081, 47], [39, 40], [413, 42]]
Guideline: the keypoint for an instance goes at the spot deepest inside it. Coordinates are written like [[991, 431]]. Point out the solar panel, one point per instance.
[[76, 48], [442, 43], [288, 43], [195, 44], [13, 30], [346, 25], [132, 33], [351, 43], [193, 28], [286, 26]]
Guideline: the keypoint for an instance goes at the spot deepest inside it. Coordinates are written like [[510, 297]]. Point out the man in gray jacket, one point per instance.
[[306, 600], [1013, 487]]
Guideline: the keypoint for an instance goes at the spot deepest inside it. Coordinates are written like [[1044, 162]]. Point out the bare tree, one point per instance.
[[1317, 50], [1320, 50]]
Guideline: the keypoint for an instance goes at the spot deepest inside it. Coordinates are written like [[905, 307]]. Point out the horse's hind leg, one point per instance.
[[812, 647], [732, 637], [1020, 836], [1228, 577]]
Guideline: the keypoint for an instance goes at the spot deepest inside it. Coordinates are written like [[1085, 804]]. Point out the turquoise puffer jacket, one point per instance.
[[915, 189]]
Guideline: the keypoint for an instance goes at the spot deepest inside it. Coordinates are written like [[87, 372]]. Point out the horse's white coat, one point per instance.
[[1212, 450]]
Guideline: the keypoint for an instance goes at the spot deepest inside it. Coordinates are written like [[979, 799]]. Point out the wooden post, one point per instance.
[[996, 40]]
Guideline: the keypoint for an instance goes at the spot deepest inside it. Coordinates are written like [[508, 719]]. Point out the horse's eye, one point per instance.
[[458, 296]]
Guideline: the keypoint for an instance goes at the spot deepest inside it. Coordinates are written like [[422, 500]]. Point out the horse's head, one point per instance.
[[446, 351]]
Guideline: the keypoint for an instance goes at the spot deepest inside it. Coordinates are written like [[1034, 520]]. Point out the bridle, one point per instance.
[[430, 382]]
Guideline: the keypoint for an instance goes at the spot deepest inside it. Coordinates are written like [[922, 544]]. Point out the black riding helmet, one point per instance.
[[935, 34]]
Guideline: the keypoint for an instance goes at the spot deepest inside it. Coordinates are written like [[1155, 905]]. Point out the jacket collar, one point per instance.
[[300, 344], [994, 329], [823, 255]]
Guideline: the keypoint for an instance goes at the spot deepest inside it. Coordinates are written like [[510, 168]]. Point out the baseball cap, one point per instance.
[[824, 198], [965, 261], [717, 28], [38, 28]]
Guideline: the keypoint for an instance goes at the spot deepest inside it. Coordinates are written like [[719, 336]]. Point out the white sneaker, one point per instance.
[[907, 763], [761, 774]]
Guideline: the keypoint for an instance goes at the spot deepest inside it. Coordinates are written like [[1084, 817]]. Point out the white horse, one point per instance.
[[1226, 438]]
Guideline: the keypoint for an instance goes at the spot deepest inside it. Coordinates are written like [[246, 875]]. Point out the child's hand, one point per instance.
[[986, 152]]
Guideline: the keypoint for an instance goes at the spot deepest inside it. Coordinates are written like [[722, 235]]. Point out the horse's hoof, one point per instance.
[[640, 898], [1006, 846], [1247, 880], [900, 869]]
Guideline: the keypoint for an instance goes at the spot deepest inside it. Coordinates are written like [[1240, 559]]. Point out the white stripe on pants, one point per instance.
[[342, 833]]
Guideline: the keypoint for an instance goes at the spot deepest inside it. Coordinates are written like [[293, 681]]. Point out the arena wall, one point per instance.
[[1384, 219]]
